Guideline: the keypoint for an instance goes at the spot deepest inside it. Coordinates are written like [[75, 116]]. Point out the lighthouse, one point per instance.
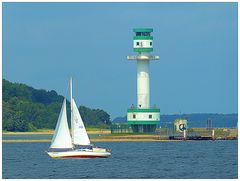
[[143, 117]]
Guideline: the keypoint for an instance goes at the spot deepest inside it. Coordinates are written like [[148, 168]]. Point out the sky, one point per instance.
[[46, 43]]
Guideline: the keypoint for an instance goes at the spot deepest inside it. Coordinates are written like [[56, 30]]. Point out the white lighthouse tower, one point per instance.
[[143, 117]]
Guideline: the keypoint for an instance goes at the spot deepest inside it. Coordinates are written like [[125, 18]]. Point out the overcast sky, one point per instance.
[[45, 43]]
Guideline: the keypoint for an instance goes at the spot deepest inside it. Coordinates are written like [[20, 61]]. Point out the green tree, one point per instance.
[[28, 109]]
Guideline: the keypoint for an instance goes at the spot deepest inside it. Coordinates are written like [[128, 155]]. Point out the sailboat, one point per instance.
[[76, 144]]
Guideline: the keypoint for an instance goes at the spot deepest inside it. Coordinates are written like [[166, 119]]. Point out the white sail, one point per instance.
[[62, 137], [80, 136]]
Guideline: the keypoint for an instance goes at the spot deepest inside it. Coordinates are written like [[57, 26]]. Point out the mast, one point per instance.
[[71, 92], [71, 107]]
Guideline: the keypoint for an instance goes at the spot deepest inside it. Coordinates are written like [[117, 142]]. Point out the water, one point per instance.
[[33, 136], [27, 137], [191, 159]]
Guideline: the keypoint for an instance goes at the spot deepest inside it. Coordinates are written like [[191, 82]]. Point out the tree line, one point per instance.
[[29, 109]]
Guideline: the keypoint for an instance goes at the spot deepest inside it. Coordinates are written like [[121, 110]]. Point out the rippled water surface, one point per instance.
[[33, 137], [191, 159]]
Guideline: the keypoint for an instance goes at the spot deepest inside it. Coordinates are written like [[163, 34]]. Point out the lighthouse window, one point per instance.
[[150, 116], [137, 43], [138, 34], [150, 43], [146, 34], [134, 116]]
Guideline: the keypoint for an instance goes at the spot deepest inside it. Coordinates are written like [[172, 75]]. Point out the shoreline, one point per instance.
[[124, 138], [106, 136], [92, 140], [51, 132]]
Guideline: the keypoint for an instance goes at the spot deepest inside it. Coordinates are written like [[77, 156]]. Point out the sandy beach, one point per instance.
[[93, 140], [104, 136], [51, 132]]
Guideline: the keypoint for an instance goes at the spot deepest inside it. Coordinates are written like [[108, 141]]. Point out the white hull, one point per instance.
[[79, 154]]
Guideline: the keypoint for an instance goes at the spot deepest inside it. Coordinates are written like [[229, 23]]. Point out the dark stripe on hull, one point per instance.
[[83, 156]]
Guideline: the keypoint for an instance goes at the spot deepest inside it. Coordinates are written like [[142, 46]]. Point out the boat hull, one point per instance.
[[79, 154]]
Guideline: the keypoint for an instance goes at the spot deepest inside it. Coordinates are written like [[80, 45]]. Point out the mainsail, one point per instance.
[[79, 133], [61, 137]]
